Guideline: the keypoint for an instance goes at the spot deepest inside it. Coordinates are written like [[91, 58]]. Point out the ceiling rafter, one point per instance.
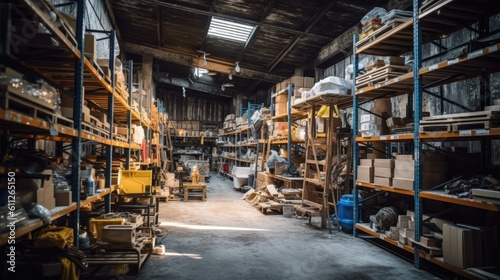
[[251, 38], [205, 35], [193, 61], [233, 18], [159, 16], [312, 22]]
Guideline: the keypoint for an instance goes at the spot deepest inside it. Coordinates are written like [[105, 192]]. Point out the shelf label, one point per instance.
[[396, 79], [400, 245], [482, 132], [475, 54], [382, 237], [433, 67], [493, 49], [383, 138], [453, 61], [465, 133], [394, 137]]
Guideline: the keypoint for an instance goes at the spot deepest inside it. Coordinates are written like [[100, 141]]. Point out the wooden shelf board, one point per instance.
[[284, 178], [365, 227], [56, 213], [462, 135], [65, 133], [384, 188], [442, 196]]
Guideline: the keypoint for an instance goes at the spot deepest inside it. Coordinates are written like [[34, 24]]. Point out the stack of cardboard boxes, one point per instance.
[[383, 171], [399, 173]]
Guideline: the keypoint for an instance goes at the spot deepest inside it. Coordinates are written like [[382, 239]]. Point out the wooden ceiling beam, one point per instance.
[[194, 61], [327, 5]]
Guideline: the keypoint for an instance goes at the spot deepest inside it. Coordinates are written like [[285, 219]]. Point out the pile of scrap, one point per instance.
[[268, 197]]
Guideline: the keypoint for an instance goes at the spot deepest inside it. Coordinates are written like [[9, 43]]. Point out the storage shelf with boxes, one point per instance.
[[417, 157]]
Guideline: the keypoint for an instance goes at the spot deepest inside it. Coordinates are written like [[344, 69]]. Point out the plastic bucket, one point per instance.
[[346, 212]]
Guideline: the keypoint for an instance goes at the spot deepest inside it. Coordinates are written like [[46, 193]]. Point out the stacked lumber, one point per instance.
[[461, 121]]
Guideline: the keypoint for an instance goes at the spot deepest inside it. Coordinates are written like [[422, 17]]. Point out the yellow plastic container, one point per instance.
[[135, 181], [97, 225]]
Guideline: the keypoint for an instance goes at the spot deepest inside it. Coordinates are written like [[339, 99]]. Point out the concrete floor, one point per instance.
[[227, 238]]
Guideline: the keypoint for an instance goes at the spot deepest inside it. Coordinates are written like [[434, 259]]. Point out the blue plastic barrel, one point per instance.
[[345, 207]]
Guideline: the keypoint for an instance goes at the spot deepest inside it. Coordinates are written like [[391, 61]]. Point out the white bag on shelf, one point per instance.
[[333, 85]]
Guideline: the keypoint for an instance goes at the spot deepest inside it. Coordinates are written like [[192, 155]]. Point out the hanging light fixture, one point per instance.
[[204, 57], [237, 68], [222, 88], [230, 76]]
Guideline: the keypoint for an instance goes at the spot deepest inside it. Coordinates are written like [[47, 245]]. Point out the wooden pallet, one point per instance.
[[13, 99], [59, 120], [435, 127], [475, 125], [461, 121], [92, 129], [391, 24], [480, 115], [381, 74], [119, 137], [270, 205]]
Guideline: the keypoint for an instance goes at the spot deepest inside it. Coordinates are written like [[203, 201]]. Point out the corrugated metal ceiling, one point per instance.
[[288, 35]]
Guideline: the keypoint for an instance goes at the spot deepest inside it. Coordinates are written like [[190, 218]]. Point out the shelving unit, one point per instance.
[[64, 66], [239, 140], [430, 22], [317, 193]]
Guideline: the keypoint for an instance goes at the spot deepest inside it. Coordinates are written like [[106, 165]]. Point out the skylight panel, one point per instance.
[[229, 30]]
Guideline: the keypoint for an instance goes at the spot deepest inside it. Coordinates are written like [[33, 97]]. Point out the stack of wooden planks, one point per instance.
[[461, 121]]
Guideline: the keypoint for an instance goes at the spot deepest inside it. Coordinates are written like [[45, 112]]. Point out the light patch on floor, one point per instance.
[[202, 227], [191, 256]]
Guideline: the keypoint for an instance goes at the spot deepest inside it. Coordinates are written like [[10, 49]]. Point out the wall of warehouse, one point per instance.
[[96, 18], [195, 107]]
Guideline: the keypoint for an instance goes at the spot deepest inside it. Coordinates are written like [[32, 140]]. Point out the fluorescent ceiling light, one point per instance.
[[229, 30], [200, 71]]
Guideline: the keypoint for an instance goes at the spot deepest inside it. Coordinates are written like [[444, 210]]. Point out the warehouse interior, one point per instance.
[[270, 139]]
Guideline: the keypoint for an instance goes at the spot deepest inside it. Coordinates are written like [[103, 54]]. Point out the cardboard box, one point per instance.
[[461, 246], [366, 162], [67, 112], [382, 181], [383, 172], [63, 198], [408, 233], [368, 118], [403, 156], [403, 221], [280, 108], [382, 162], [430, 241], [404, 164], [404, 173], [90, 47], [403, 184], [365, 174], [50, 203]]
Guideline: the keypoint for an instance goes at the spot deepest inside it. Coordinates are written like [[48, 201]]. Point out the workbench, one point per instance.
[[196, 188]]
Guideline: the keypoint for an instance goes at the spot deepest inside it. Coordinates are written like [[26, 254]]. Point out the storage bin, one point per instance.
[[119, 234], [346, 211]]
